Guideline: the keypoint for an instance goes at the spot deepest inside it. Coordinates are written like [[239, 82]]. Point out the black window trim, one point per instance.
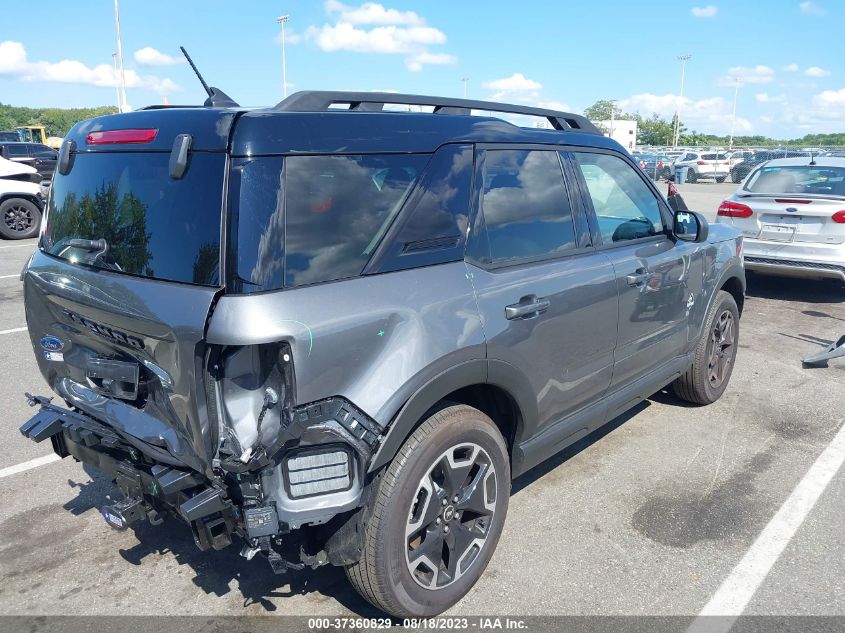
[[665, 212], [582, 240]]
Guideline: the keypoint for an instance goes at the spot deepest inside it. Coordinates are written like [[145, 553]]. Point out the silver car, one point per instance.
[[791, 212]]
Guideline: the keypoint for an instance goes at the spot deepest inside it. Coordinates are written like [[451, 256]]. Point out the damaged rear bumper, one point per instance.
[[316, 472], [150, 490]]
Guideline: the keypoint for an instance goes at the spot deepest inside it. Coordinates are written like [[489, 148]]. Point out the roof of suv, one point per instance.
[[291, 126]]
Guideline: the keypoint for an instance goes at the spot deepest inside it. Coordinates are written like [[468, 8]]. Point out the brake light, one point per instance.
[[791, 201], [660, 165], [121, 137], [701, 162], [731, 209], [839, 217]]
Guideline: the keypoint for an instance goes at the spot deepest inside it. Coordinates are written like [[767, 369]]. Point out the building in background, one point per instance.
[[622, 131]]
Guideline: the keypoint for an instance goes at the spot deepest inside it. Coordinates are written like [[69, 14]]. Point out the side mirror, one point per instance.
[[690, 226]]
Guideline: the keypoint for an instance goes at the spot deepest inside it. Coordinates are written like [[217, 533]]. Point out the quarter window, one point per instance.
[[525, 205], [626, 209]]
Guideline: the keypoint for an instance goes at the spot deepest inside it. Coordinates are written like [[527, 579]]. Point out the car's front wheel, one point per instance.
[[436, 515], [19, 219], [707, 377]]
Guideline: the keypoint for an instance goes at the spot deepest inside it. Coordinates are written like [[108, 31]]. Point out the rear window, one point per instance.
[[154, 226], [815, 179], [714, 157], [307, 219]]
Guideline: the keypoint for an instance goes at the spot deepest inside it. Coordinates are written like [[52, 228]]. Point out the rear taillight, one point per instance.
[[660, 165], [731, 209], [121, 137], [701, 162], [839, 217]]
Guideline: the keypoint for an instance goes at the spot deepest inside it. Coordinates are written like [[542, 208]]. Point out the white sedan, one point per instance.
[[791, 212]]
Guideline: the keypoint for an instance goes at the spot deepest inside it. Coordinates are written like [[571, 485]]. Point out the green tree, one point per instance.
[[601, 111], [57, 121], [654, 131]]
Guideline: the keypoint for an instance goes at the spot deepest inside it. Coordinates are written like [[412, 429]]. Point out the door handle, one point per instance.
[[638, 278], [527, 307]]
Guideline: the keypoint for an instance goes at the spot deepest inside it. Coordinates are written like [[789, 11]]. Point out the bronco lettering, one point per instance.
[[104, 330]]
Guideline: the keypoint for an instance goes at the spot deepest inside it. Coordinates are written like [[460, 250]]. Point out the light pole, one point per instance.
[[116, 83], [465, 81], [282, 19], [733, 116], [612, 115], [683, 59], [122, 104]]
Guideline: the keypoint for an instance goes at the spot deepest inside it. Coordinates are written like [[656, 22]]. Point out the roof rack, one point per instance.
[[320, 101]]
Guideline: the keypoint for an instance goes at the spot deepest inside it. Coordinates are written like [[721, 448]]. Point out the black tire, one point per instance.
[[735, 177], [691, 176], [721, 179], [697, 384], [19, 219], [401, 512]]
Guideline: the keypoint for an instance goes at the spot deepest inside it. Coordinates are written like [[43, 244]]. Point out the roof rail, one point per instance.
[[319, 101]]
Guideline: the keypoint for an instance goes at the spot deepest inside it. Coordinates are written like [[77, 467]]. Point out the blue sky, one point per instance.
[[788, 54]]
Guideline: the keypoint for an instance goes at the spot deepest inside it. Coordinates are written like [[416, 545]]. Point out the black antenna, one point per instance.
[[199, 76], [216, 97]]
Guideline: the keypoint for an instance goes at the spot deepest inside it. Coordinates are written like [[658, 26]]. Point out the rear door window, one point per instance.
[[525, 205], [307, 219], [625, 207], [154, 226]]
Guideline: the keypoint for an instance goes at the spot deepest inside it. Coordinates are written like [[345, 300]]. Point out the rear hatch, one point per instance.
[[128, 267], [795, 203]]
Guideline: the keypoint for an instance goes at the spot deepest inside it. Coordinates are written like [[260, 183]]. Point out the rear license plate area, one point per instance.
[[113, 377], [777, 232]]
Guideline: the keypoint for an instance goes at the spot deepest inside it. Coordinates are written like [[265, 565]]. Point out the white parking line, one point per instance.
[[32, 463], [9, 276], [13, 330], [739, 587]]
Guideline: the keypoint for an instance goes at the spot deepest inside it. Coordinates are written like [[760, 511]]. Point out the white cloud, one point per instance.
[[372, 28], [811, 8], [148, 56], [515, 83], [790, 68], [705, 12], [14, 63], [371, 13], [830, 99], [765, 97], [815, 71], [748, 75], [707, 115], [415, 62]]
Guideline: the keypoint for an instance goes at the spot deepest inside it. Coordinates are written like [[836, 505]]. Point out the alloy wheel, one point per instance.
[[451, 516], [18, 219], [722, 341]]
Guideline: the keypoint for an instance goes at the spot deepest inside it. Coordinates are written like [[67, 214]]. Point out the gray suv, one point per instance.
[[335, 332]]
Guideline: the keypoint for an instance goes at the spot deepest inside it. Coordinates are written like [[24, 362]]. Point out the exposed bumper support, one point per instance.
[[149, 489]]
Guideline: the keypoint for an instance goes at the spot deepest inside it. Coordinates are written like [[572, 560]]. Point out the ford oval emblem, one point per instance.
[[52, 344]]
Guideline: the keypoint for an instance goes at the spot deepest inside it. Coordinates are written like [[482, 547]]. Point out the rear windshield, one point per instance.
[[815, 179], [714, 157], [154, 226], [306, 219]]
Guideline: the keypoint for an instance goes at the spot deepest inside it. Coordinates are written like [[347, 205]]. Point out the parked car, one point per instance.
[[21, 201], [655, 166], [739, 171], [337, 342], [790, 212], [41, 157], [704, 165]]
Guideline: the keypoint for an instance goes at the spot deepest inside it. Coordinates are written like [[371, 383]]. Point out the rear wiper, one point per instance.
[[99, 247], [90, 246]]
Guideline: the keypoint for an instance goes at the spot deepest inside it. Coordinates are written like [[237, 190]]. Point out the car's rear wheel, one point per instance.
[[721, 179], [437, 515], [707, 377], [691, 176], [19, 219]]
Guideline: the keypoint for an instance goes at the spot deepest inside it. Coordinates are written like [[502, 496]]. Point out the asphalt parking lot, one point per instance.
[[649, 516]]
